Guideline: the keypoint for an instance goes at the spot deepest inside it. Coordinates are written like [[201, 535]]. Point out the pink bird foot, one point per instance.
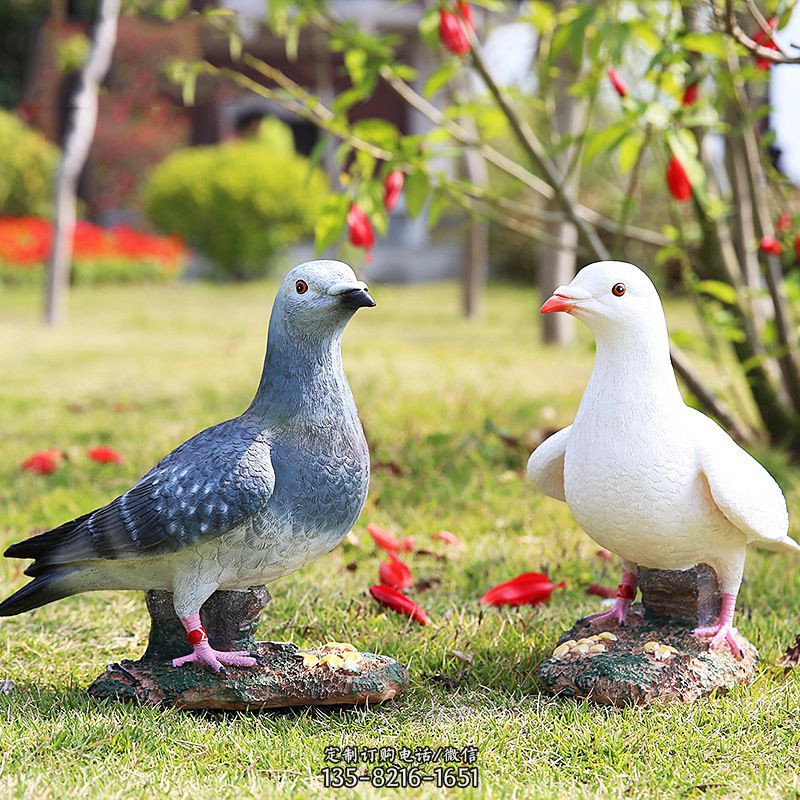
[[617, 614], [216, 659], [723, 631], [204, 653]]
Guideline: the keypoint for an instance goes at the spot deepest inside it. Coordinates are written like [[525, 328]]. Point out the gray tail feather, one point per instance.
[[46, 547], [46, 588]]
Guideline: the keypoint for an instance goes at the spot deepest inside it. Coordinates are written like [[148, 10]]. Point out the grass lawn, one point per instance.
[[141, 369]]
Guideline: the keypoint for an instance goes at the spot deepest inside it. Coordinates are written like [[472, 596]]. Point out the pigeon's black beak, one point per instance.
[[357, 298]]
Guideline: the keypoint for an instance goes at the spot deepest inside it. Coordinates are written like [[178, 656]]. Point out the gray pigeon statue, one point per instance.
[[244, 502]]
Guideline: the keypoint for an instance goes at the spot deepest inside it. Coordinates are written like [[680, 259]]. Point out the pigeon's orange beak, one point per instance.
[[566, 298], [557, 303]]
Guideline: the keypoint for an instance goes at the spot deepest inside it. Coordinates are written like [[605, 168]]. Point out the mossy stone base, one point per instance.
[[285, 679], [673, 604], [282, 682], [627, 675]]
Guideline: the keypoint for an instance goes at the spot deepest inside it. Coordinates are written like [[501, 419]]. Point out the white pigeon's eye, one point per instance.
[[618, 289], [301, 287]]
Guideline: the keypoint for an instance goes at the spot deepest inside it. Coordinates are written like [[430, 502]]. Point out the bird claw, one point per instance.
[[217, 660], [721, 634], [617, 614]]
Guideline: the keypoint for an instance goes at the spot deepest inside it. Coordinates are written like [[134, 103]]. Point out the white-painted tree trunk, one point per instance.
[[77, 142]]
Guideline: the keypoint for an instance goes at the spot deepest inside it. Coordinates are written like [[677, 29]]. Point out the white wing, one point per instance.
[[546, 464], [742, 489]]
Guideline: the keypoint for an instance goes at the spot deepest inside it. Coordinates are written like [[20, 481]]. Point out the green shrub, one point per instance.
[[27, 167], [239, 203]]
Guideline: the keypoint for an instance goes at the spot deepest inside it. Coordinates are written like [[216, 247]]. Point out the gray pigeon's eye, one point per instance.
[[618, 289], [301, 286]]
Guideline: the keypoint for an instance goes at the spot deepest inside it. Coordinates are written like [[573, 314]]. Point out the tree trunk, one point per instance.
[[476, 262], [557, 264], [73, 158]]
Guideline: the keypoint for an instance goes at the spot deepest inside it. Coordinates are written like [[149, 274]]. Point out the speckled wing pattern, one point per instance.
[[741, 488], [210, 485]]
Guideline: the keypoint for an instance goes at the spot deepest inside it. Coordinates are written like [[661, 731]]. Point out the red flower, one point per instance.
[[387, 541], [465, 12], [601, 591], [765, 40], [395, 573], [44, 462], [397, 601], [678, 181], [797, 247], [690, 94], [448, 538], [452, 33], [104, 455], [361, 233], [530, 588], [393, 188], [769, 244], [784, 222], [617, 82]]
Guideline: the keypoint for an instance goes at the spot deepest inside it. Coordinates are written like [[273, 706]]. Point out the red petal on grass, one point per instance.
[[448, 538], [389, 542], [530, 588], [43, 462], [104, 455], [601, 591], [398, 602], [395, 573]]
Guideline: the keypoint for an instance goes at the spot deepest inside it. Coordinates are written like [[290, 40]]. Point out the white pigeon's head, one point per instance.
[[320, 297], [610, 297]]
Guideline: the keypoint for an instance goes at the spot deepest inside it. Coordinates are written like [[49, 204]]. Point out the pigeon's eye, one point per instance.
[[301, 286], [618, 289]]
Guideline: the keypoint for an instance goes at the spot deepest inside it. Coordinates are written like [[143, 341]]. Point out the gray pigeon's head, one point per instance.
[[319, 297], [610, 296]]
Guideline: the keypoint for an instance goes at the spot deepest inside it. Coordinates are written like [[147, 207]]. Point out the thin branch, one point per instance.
[[537, 154], [776, 56]]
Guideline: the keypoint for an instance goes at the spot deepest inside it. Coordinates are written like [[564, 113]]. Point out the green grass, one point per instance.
[[142, 369]]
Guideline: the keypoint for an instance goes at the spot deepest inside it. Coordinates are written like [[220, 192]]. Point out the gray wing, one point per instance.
[[210, 485]]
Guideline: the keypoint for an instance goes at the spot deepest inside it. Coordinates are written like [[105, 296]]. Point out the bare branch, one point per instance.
[[732, 27]]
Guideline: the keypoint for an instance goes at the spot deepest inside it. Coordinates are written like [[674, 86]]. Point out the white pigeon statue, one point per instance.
[[647, 477]]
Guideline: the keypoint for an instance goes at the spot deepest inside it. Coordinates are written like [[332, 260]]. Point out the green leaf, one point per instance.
[[540, 15], [440, 77], [710, 44], [605, 140], [377, 131], [331, 221], [629, 150], [356, 62], [719, 290], [417, 190], [438, 206]]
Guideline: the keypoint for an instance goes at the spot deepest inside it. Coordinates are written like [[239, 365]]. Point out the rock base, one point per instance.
[[631, 670], [333, 675], [336, 674]]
